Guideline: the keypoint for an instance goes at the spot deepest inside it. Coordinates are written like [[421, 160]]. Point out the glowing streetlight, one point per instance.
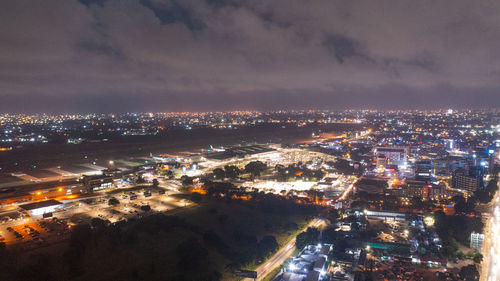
[[429, 221]]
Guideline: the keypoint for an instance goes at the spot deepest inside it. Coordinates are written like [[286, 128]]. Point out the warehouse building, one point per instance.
[[42, 208]]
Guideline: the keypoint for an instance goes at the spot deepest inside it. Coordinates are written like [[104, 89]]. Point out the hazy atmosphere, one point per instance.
[[151, 55]]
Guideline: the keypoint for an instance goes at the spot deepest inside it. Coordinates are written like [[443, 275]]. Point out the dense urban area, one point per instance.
[[246, 195]]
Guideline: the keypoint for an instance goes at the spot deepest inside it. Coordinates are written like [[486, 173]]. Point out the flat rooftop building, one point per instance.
[[42, 207], [397, 155], [98, 182]]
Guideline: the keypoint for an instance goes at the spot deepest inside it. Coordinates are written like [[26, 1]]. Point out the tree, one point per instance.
[[222, 218], [113, 202], [214, 239], [80, 236], [492, 186], [486, 195], [232, 171], [255, 168], [450, 248], [219, 173], [482, 196], [169, 174], [496, 171], [460, 204], [191, 254], [308, 237], [155, 183], [319, 174], [279, 167], [196, 197], [341, 245], [478, 258], [334, 215], [266, 246], [469, 273], [97, 223], [186, 180], [282, 171], [242, 237], [140, 179], [343, 166]]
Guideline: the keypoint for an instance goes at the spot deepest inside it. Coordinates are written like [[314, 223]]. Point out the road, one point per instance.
[[491, 247], [280, 256], [345, 195]]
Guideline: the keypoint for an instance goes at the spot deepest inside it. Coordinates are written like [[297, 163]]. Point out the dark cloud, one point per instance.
[[340, 46], [88, 3], [133, 55], [172, 12]]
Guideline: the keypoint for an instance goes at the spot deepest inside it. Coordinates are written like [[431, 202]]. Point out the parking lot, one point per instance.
[[36, 231], [16, 226]]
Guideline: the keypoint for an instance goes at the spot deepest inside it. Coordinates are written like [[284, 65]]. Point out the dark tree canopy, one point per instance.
[[469, 273], [191, 254], [308, 237], [255, 168]]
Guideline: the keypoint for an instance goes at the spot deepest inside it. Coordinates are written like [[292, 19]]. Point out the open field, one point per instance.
[[49, 155]]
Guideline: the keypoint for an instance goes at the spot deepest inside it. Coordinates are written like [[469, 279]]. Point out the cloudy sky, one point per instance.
[[164, 55]]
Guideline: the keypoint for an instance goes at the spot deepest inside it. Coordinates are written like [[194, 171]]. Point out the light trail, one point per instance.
[[281, 255], [491, 246], [347, 191]]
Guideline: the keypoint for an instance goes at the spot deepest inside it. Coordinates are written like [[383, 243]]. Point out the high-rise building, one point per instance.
[[451, 144], [396, 155], [476, 240], [469, 181], [381, 161], [423, 171]]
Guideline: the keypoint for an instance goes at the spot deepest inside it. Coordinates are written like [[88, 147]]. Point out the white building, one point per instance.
[[476, 240], [41, 208]]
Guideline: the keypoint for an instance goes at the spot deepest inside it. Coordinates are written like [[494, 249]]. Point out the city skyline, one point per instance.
[[157, 56], [222, 140]]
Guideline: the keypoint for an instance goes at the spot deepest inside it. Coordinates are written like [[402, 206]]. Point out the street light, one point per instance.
[[429, 221]]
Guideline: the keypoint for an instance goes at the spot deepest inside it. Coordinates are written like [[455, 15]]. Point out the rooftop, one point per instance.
[[41, 204]]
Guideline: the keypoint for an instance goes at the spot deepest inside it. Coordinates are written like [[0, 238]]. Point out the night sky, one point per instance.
[[154, 55]]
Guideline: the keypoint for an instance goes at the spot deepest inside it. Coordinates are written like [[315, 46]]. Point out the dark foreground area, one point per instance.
[[204, 242]]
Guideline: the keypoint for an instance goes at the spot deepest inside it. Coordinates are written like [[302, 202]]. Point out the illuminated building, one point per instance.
[[98, 182], [381, 161], [41, 208], [423, 171], [468, 180], [396, 155], [476, 240]]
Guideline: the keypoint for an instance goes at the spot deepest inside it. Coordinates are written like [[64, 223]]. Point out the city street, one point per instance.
[[281, 256], [490, 270]]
